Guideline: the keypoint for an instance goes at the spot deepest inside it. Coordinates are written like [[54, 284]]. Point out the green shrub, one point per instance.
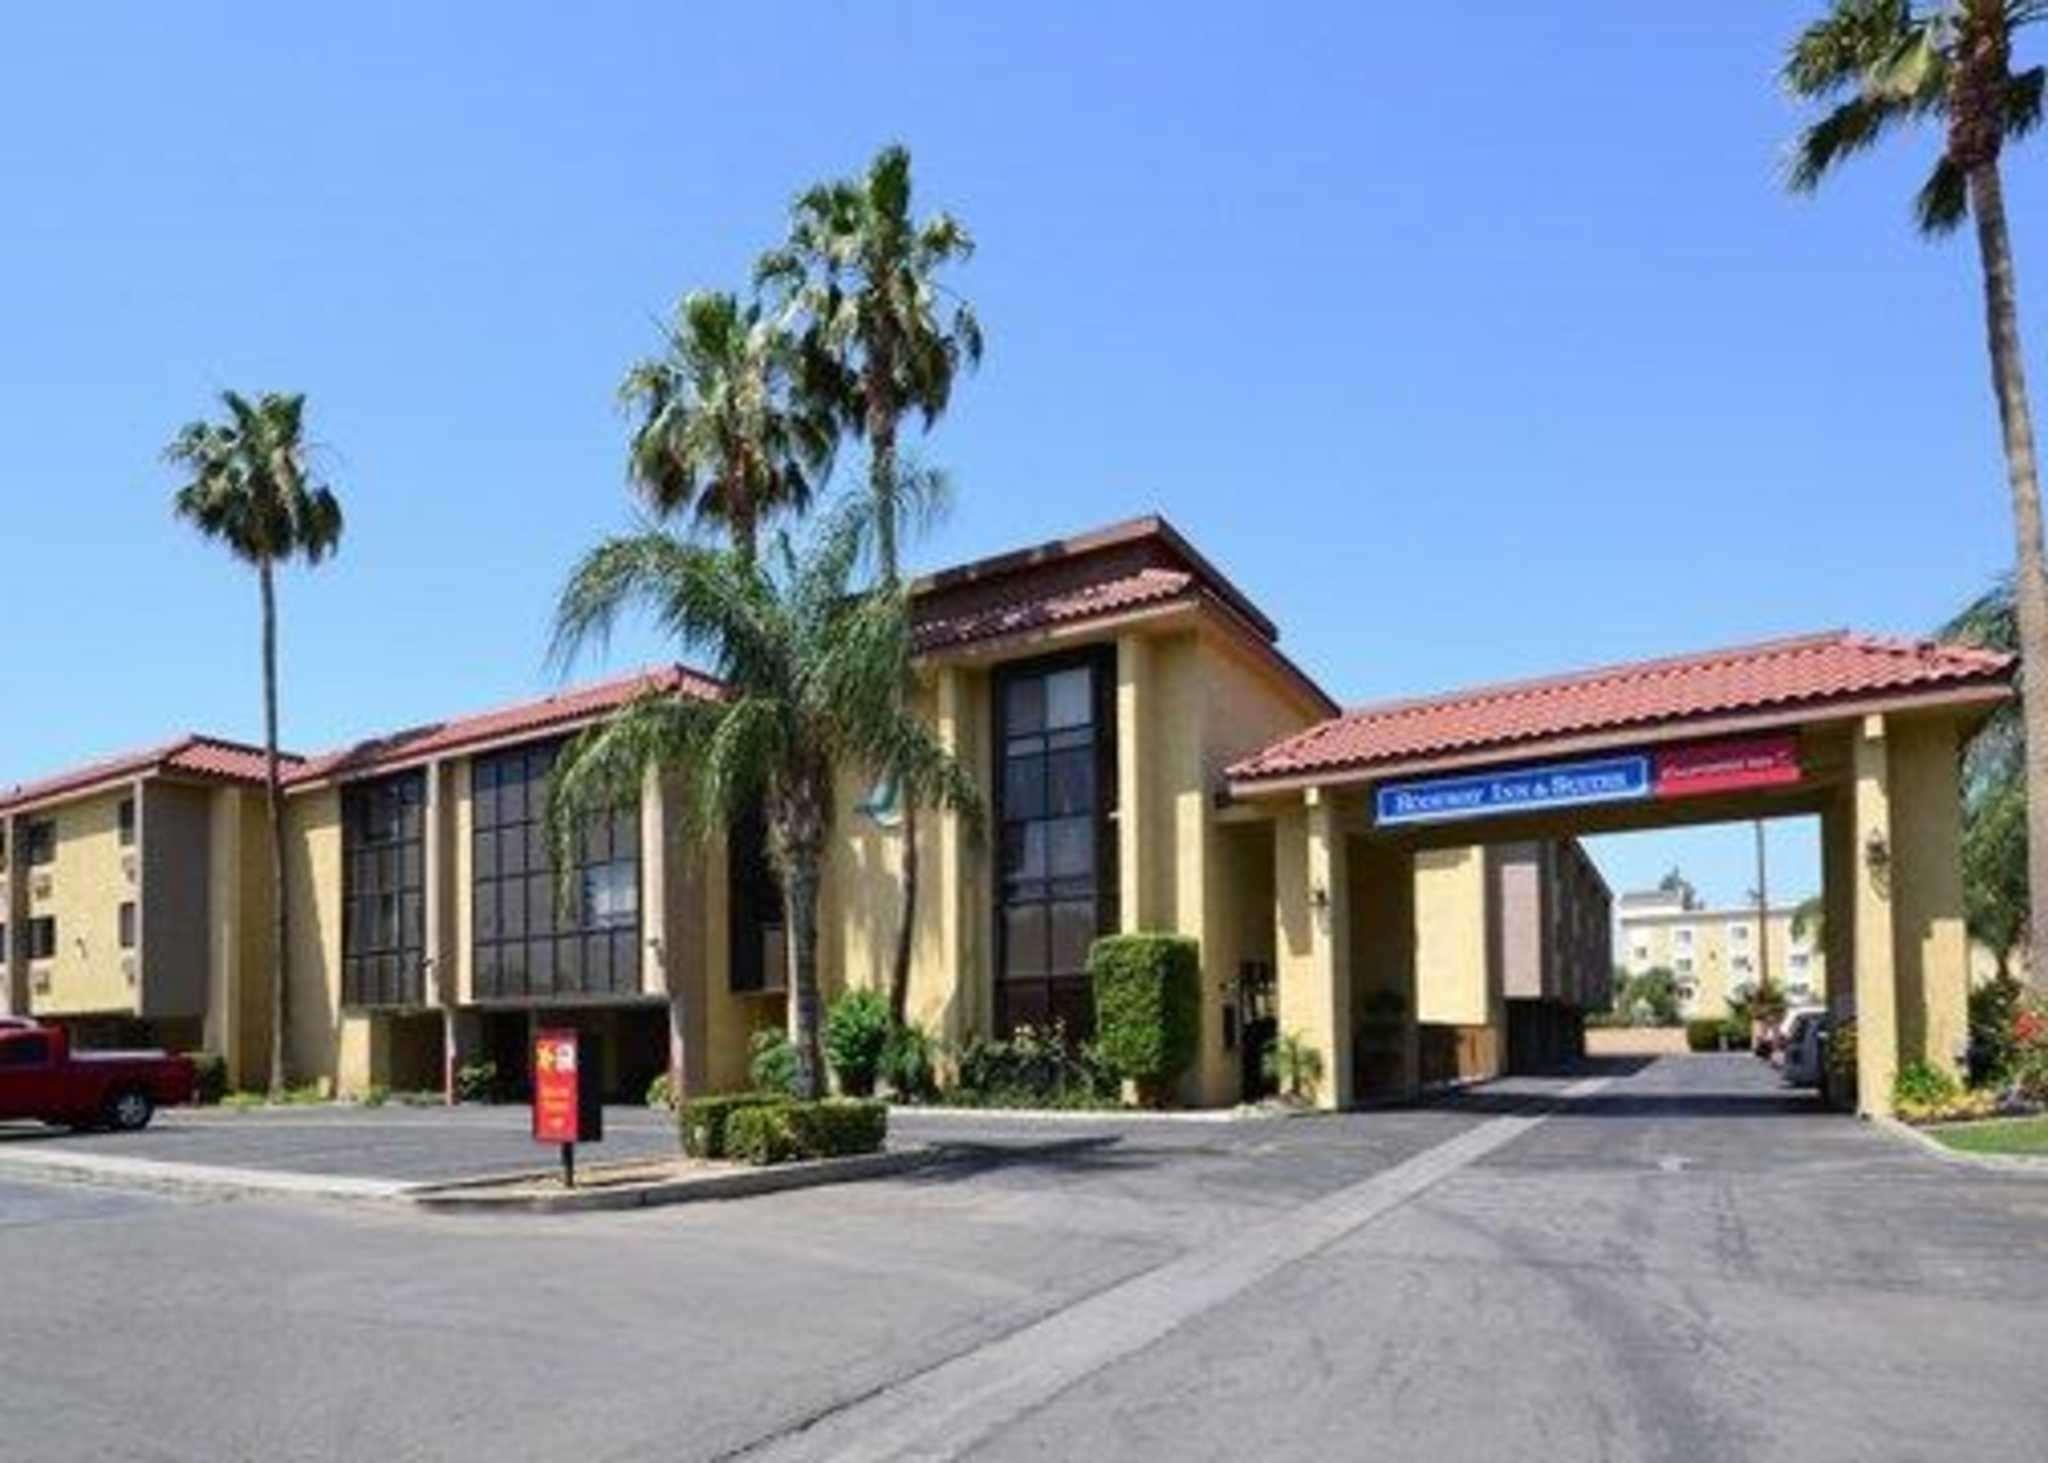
[[476, 1082], [856, 1036], [1294, 1066], [909, 1065], [760, 1135], [306, 1094], [209, 1077], [661, 1093], [1994, 1045], [705, 1123], [771, 1060], [1922, 1085], [376, 1095], [1036, 1067], [781, 1131], [1147, 1006], [1739, 1035], [1704, 1034]]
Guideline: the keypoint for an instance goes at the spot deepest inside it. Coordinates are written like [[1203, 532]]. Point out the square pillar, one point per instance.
[[1877, 996], [1137, 884], [964, 1001], [1930, 948], [675, 920], [1312, 929]]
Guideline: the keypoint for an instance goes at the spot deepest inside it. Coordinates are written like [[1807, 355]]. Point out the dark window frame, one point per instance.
[[756, 915], [526, 943], [40, 841], [124, 924], [42, 937], [383, 890], [1040, 997], [124, 822]]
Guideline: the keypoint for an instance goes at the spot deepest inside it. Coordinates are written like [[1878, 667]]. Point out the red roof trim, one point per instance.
[[194, 755], [1834, 669], [520, 721]]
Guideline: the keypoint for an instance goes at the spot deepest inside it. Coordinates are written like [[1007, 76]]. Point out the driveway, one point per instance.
[[1684, 1263]]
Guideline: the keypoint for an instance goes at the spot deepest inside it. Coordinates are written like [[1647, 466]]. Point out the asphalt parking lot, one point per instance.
[[1686, 1263]]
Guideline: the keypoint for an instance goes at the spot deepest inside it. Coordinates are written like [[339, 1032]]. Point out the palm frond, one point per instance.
[[1943, 201], [1843, 47], [1848, 129]]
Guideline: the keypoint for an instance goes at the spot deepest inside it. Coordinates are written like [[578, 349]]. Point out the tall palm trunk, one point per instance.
[[280, 953], [881, 427], [801, 910], [2030, 587]]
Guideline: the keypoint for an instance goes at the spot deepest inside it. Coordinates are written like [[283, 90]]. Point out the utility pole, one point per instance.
[[1763, 913]]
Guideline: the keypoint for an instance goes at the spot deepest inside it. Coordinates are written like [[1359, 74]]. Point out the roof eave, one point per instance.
[[1966, 698]]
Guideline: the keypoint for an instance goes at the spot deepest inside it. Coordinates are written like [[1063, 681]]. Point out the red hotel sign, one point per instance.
[[557, 1108], [1709, 767]]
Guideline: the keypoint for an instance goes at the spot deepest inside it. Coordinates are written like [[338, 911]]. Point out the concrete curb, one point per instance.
[[197, 1178], [740, 1184], [1997, 1162], [1084, 1114]]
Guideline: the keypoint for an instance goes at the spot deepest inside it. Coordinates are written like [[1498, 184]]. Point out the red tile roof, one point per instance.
[[194, 755], [559, 712], [1835, 670], [1140, 564]]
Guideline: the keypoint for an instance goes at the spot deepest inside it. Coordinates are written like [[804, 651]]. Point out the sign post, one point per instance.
[[568, 1106]]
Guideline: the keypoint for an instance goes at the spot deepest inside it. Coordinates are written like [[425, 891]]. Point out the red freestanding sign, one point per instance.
[[557, 1100]]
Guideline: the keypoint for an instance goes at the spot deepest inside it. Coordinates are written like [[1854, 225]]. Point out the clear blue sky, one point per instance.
[[1472, 342]]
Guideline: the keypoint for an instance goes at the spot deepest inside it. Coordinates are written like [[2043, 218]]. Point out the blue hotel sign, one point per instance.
[[1513, 790]]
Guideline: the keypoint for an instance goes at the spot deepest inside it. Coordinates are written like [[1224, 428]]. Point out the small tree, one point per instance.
[[812, 669]]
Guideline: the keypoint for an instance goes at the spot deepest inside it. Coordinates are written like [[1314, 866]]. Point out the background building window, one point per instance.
[[383, 891], [42, 841], [125, 821], [528, 941], [42, 937], [125, 921]]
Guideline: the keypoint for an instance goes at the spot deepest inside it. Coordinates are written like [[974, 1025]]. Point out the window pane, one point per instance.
[[1024, 851], [512, 908], [413, 921], [512, 967], [1071, 782], [540, 966], [625, 961], [597, 963], [484, 794], [511, 795], [1073, 931], [1024, 706], [540, 904], [569, 962], [1067, 702], [1024, 787], [512, 849], [486, 912], [626, 833], [1024, 937], [411, 869], [1071, 848]]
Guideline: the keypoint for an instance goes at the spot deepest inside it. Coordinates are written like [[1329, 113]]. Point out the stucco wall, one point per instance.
[[174, 833], [314, 1034], [86, 884], [1451, 936]]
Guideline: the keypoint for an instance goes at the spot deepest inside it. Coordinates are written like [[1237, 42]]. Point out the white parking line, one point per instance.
[[943, 1412]]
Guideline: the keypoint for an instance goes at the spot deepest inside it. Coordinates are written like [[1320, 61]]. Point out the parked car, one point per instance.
[[42, 1078], [1806, 1048], [1777, 1041]]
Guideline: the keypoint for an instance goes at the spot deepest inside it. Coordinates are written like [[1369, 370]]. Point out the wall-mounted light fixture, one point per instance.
[[1318, 896]]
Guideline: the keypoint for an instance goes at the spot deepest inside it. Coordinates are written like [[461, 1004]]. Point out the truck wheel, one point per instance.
[[129, 1110]]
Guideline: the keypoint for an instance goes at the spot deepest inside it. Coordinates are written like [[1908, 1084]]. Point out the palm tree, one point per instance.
[[861, 277], [814, 675], [250, 488], [1995, 807], [1881, 63], [720, 433]]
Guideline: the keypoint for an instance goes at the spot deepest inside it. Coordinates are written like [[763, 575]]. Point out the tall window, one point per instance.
[[125, 820], [1055, 796], [42, 841], [383, 891], [527, 940], [124, 920], [42, 937], [759, 951]]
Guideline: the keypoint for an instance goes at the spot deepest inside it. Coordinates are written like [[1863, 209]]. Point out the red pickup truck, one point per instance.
[[41, 1077]]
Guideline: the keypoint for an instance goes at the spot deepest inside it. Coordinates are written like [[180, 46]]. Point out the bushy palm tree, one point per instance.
[[719, 432], [1995, 862], [250, 487], [813, 670], [1884, 63], [882, 338]]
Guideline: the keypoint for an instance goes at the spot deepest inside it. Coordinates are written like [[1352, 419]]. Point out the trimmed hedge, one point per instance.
[[1704, 1035], [706, 1122], [209, 1077], [1147, 1005], [777, 1132]]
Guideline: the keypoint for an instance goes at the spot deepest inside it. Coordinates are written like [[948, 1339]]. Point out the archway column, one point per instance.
[[1312, 912]]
